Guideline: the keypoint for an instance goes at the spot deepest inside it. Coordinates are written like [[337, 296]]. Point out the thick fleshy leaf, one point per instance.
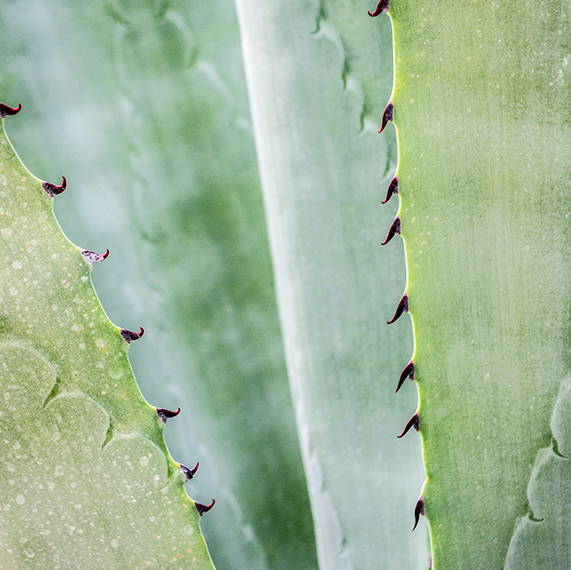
[[317, 75], [481, 105], [143, 107], [85, 480]]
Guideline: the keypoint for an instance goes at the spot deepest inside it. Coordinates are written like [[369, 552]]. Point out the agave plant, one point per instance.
[[86, 479], [149, 121]]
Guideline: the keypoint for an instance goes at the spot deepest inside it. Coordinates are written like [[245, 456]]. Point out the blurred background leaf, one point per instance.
[[319, 75], [142, 105]]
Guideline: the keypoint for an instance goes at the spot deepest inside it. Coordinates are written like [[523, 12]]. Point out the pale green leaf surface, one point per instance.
[[151, 96], [324, 172], [541, 538], [84, 479], [482, 112]]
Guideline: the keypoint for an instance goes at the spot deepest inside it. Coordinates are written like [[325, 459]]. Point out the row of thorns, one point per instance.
[[129, 336], [402, 307]]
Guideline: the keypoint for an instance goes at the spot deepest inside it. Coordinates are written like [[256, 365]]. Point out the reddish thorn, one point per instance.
[[382, 6], [204, 508], [418, 510], [165, 413], [92, 257], [7, 110], [54, 190], [408, 372], [393, 231], [130, 336], [392, 189], [402, 307], [105, 256], [387, 116], [189, 473], [414, 422]]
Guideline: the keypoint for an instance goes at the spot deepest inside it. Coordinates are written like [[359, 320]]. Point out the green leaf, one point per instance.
[[85, 479], [541, 538], [481, 108], [153, 99], [317, 77]]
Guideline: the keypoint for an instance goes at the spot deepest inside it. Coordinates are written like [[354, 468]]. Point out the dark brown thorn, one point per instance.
[[402, 307], [166, 414], [92, 257], [54, 190], [414, 422], [382, 6], [387, 116], [130, 336], [418, 510], [392, 189], [188, 472], [407, 372], [393, 231], [204, 508], [7, 110]]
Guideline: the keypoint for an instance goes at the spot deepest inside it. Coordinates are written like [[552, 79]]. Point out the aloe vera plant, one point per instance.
[[172, 185], [86, 480]]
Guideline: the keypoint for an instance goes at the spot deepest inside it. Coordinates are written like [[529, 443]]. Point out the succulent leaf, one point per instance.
[[314, 73], [155, 104], [481, 107], [85, 481]]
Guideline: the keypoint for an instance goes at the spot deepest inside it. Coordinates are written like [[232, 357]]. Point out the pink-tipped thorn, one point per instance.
[[393, 231], [188, 472], [382, 6], [408, 372], [387, 116], [204, 508], [414, 422], [53, 190], [418, 510], [392, 189], [165, 414], [7, 110], [92, 257], [402, 307], [130, 336]]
